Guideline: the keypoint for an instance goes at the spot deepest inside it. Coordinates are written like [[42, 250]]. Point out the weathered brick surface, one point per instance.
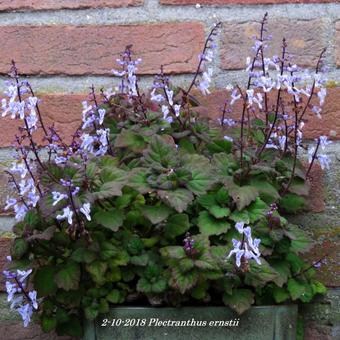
[[5, 244], [250, 2], [337, 43], [316, 198], [327, 244], [314, 331], [62, 110], [14, 330], [305, 39], [82, 50], [5, 189], [9, 5]]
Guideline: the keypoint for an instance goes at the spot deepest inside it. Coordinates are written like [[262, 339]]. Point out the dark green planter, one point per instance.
[[258, 323]]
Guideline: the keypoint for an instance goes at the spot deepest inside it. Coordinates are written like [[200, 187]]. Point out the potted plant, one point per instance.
[[154, 220]]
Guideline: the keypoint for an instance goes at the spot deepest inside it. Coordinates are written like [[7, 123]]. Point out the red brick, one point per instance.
[[305, 40], [337, 43], [83, 50], [62, 110], [10, 5], [244, 2], [327, 244], [316, 197], [315, 331]]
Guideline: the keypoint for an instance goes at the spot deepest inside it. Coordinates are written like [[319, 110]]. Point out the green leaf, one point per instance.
[[200, 291], [156, 213], [206, 262], [173, 252], [115, 296], [83, 255], [140, 260], [160, 153], [19, 248], [256, 210], [108, 189], [318, 288], [300, 241], [209, 225], [183, 281], [243, 196], [44, 282], [186, 264], [138, 180], [131, 140], [144, 286], [219, 212], [283, 269], [200, 182], [108, 250], [296, 289], [295, 262], [48, 323], [71, 327], [159, 286], [240, 216], [114, 274], [110, 219], [103, 306], [222, 196], [240, 300], [176, 225], [218, 146], [280, 294], [113, 181], [97, 270], [178, 199], [260, 274], [267, 191], [207, 201], [292, 203], [68, 277], [91, 312]]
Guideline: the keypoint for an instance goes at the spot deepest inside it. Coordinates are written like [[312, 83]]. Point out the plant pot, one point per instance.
[[139, 323]]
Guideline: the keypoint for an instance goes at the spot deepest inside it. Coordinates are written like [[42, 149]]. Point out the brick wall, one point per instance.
[[65, 46]]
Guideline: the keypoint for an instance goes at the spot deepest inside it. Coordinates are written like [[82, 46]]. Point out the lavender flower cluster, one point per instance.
[[22, 300], [247, 248], [279, 75]]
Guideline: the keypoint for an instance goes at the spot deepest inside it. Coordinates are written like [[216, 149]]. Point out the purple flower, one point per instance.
[[10, 202], [57, 197], [86, 209], [239, 227], [322, 95], [26, 312], [20, 212], [33, 296], [230, 139], [67, 214], [20, 168], [234, 97], [324, 142], [324, 161]]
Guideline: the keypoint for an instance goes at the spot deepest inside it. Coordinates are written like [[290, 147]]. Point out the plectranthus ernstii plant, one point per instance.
[[151, 203]]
